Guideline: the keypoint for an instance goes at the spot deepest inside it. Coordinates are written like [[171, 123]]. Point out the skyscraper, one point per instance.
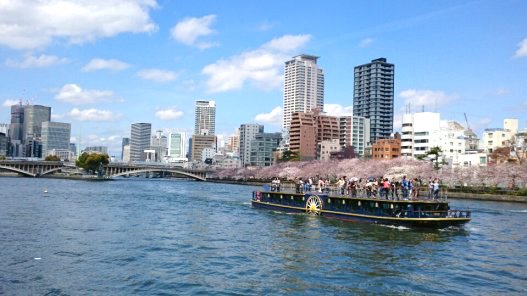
[[303, 88], [125, 142], [373, 97], [139, 140], [34, 116], [247, 134], [205, 118], [55, 135], [16, 131]]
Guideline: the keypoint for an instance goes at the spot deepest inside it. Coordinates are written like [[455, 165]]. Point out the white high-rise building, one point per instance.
[[354, 131], [205, 118], [303, 88], [247, 134]]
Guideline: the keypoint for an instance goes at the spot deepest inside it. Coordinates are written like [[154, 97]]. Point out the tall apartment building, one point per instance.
[[205, 118], [55, 135], [309, 129], [373, 96], [139, 140], [354, 131], [177, 147], [247, 133], [303, 88]]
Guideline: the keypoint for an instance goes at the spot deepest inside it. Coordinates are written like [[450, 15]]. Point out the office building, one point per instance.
[[34, 116], [201, 142], [159, 143], [303, 88], [125, 142], [262, 147], [55, 135], [3, 144], [177, 147], [139, 140], [205, 118], [247, 134], [373, 96]]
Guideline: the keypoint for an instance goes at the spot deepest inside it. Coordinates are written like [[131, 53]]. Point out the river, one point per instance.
[[180, 237]]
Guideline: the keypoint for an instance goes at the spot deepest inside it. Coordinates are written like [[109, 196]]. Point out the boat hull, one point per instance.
[[298, 203]]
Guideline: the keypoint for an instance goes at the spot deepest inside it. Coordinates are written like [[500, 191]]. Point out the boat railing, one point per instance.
[[336, 191]]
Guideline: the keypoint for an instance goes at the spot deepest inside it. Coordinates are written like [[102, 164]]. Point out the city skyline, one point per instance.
[[449, 58]]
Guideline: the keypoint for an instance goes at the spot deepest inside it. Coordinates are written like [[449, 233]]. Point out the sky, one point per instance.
[[105, 64]]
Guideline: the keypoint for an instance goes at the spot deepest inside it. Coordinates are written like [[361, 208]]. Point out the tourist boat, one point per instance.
[[409, 213]]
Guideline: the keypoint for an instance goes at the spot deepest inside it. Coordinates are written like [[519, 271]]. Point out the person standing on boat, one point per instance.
[[404, 184], [415, 190], [430, 188], [436, 188], [410, 189], [320, 185], [386, 188]]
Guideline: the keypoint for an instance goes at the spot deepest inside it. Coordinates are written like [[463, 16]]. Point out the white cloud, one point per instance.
[[190, 29], [500, 92], [31, 61], [427, 98], [274, 117], [261, 66], [157, 75], [30, 24], [338, 110], [366, 42], [522, 49], [93, 115], [74, 94], [169, 114], [102, 64], [8, 103]]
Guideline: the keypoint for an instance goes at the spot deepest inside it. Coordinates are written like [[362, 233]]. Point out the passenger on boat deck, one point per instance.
[[436, 188], [320, 185]]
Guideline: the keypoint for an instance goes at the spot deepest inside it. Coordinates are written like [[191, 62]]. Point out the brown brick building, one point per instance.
[[309, 129], [384, 149]]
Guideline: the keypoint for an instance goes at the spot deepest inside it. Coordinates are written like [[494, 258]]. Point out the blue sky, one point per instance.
[[104, 64]]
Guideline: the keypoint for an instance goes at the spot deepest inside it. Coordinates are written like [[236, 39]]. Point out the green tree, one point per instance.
[[2, 157], [289, 155], [92, 161], [435, 152], [52, 158]]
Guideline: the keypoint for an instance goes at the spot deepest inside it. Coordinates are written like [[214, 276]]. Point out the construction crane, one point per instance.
[[466, 120]]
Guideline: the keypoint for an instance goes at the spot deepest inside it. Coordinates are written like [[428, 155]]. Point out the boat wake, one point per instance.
[[518, 211], [396, 227]]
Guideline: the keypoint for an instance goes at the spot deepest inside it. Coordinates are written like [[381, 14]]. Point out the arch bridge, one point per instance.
[[113, 170], [31, 168]]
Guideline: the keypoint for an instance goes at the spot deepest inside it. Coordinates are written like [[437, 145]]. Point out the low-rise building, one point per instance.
[[384, 149], [262, 147]]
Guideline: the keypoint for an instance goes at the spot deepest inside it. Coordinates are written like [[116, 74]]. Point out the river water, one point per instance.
[[166, 237]]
